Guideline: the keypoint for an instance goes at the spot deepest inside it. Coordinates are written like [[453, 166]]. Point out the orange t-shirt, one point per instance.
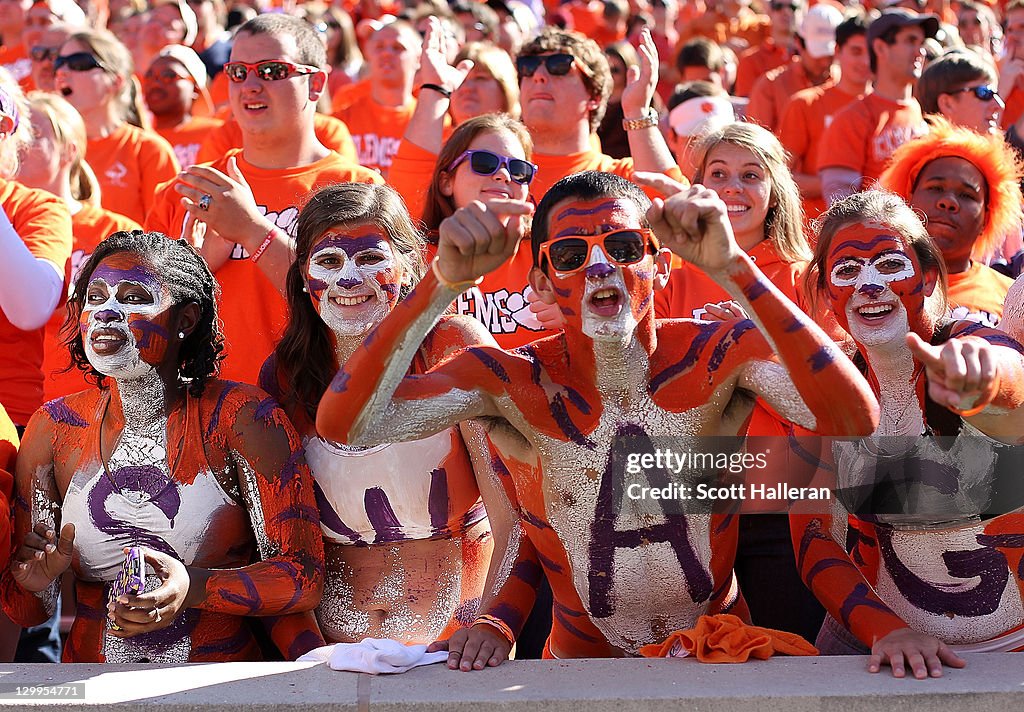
[[863, 136], [130, 163], [8, 458], [803, 124], [377, 130], [755, 63], [774, 90], [977, 294], [89, 227], [187, 138], [330, 132], [252, 310], [43, 223]]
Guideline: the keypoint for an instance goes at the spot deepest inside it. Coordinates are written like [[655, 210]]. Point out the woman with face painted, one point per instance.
[[203, 476], [406, 538], [55, 162], [967, 185], [929, 506], [94, 72]]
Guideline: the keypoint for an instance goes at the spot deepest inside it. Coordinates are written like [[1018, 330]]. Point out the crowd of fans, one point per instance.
[[738, 217]]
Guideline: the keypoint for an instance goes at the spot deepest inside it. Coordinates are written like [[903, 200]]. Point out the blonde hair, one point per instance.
[[783, 225], [499, 65], [21, 136], [69, 130]]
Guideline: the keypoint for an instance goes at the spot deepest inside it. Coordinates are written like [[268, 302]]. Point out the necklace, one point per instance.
[[141, 454]]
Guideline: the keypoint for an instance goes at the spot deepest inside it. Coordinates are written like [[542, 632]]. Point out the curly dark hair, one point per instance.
[[305, 355], [189, 279]]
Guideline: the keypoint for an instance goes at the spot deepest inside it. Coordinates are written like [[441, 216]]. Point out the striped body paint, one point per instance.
[[555, 408]]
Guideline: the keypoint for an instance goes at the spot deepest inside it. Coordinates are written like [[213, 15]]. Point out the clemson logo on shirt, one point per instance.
[[501, 311]]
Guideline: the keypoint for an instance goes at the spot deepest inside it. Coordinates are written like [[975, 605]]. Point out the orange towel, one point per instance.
[[725, 638]]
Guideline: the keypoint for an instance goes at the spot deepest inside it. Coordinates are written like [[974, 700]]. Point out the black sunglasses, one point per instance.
[[780, 6], [557, 65], [487, 163], [984, 93], [43, 54], [78, 62]]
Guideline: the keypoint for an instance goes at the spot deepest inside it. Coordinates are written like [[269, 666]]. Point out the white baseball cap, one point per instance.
[[701, 115], [818, 30]]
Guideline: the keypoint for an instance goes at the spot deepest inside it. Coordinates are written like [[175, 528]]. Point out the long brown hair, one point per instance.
[[439, 206], [305, 355]]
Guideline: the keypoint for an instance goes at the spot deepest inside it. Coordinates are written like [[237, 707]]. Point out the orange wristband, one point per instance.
[[498, 624], [266, 243]]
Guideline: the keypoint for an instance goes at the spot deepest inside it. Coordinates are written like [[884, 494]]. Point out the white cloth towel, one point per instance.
[[374, 655]]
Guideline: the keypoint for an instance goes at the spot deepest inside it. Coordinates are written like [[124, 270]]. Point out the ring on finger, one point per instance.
[[157, 611], [204, 201]]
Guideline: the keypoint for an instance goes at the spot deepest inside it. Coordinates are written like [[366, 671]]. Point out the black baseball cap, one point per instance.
[[901, 17]]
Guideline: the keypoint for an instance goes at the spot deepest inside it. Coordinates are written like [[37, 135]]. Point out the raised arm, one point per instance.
[[694, 224], [372, 400], [647, 145]]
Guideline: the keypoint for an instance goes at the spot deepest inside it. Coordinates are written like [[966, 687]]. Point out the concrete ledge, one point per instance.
[[990, 683]]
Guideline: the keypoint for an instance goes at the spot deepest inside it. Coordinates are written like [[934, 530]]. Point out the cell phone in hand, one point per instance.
[[131, 579]]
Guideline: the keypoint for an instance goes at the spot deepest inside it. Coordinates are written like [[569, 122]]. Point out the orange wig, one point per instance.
[[989, 153]]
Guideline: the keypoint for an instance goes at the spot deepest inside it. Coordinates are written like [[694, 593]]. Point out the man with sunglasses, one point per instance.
[[564, 85], [857, 145], [247, 200], [566, 412], [961, 86]]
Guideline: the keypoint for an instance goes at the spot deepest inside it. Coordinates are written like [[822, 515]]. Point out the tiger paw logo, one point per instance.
[[116, 174]]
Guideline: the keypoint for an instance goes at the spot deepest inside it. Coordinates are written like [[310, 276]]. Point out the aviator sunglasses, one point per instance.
[[41, 53], [269, 70], [557, 65], [623, 247], [487, 163], [78, 62]]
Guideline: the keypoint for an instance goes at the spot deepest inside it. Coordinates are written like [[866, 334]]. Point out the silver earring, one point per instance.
[[181, 334], [306, 290]]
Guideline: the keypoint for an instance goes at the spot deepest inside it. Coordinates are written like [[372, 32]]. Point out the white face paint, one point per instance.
[[125, 321], [353, 282], [617, 327], [875, 312]]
